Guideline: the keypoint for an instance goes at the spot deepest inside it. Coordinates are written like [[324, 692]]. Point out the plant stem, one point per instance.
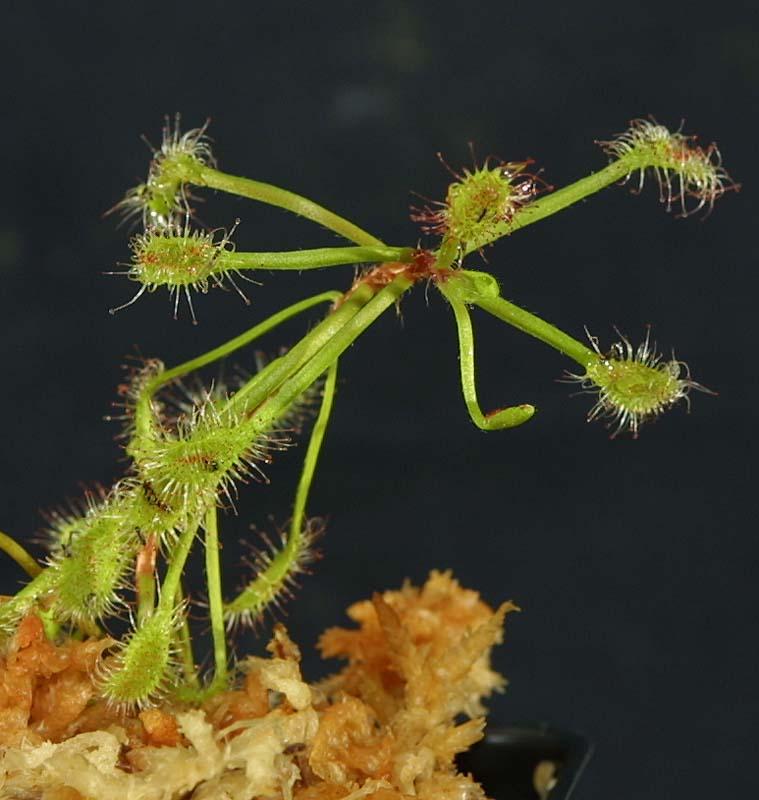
[[496, 420], [243, 339], [184, 639], [262, 385], [275, 405], [13, 549], [143, 408], [556, 201], [177, 558], [13, 609], [534, 326], [362, 307], [310, 259], [312, 453], [273, 195], [215, 599], [49, 623], [448, 253], [283, 565], [42, 583]]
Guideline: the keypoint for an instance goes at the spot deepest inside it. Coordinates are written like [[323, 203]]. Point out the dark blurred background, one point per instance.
[[634, 561]]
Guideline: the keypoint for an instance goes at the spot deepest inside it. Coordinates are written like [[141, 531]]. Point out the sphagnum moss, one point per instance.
[[187, 464]]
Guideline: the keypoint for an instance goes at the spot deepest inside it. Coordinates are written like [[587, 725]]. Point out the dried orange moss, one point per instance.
[[44, 688], [384, 728]]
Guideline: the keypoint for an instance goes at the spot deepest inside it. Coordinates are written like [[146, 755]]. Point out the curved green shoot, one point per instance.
[[500, 419]]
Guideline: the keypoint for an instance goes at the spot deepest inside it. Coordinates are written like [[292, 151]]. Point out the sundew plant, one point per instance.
[[123, 552]]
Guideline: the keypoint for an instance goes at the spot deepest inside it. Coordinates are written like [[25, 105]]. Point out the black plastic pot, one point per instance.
[[505, 762]]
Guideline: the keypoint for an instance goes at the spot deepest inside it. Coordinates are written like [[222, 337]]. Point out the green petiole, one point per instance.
[[496, 420], [282, 198], [215, 599], [13, 549], [172, 581], [465, 287], [284, 564], [277, 403], [267, 381], [143, 409], [310, 259], [184, 646], [557, 201], [540, 329]]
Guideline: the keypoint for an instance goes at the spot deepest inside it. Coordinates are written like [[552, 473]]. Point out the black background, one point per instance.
[[634, 561]]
